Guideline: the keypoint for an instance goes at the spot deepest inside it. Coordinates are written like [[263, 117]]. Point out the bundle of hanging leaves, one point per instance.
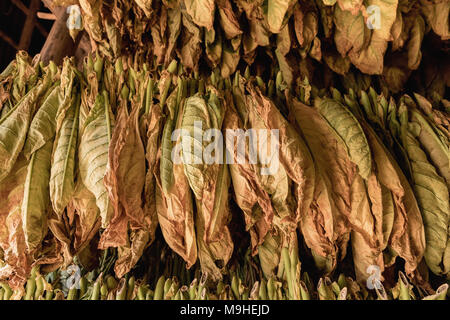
[[88, 177], [403, 44]]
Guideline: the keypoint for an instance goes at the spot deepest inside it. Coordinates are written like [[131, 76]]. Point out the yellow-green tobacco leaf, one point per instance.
[[93, 153], [209, 182], [324, 289], [269, 252], [437, 151], [14, 128], [43, 125], [436, 117], [36, 196], [195, 111], [349, 130], [201, 12], [62, 175], [433, 198]]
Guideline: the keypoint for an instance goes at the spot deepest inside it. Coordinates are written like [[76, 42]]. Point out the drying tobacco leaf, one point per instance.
[[16, 124], [324, 225], [12, 239], [43, 126], [294, 155], [249, 194], [432, 196], [430, 140], [349, 131], [174, 203], [86, 216], [407, 237], [201, 12], [208, 178], [93, 153], [62, 177], [36, 196]]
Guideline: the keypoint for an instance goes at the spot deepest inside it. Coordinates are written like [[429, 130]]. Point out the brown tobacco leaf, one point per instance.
[[146, 6], [249, 194], [125, 181], [124, 178], [176, 215], [294, 155], [86, 216], [153, 130], [209, 181], [228, 20], [437, 15], [215, 245], [189, 50], [201, 12], [324, 225], [158, 35], [174, 202], [92, 20], [367, 218], [407, 235], [12, 238]]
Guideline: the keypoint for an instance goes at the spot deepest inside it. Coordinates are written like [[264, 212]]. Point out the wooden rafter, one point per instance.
[[19, 4], [28, 28], [46, 16], [8, 40]]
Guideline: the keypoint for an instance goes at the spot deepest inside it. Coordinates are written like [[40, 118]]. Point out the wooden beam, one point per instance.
[[46, 16], [19, 4], [8, 40], [28, 28]]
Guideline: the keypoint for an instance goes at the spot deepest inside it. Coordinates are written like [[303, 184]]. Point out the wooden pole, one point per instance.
[[59, 44]]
